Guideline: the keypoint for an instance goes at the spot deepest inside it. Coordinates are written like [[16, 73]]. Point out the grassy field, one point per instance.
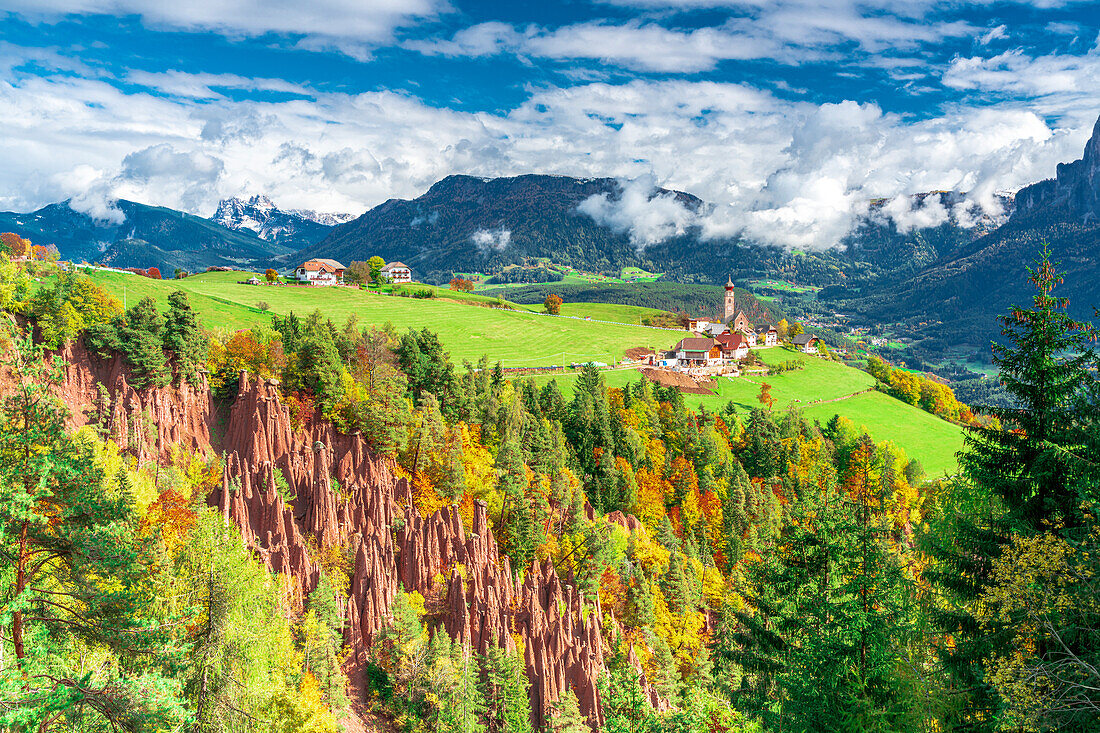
[[782, 285], [516, 338], [639, 275], [923, 436], [570, 276], [523, 338]]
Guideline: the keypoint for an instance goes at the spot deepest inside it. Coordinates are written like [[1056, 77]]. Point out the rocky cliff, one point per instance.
[[294, 493], [1074, 191], [146, 423]]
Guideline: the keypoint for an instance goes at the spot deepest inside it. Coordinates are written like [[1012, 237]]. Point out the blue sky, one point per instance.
[[787, 115]]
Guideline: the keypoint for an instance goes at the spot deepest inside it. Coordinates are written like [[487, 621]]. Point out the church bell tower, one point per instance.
[[731, 309]]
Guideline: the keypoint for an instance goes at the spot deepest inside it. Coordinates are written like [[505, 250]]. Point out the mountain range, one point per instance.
[[955, 297], [946, 280], [270, 223], [245, 234]]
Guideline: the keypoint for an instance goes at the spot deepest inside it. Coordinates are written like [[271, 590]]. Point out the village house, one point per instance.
[[750, 336], [696, 352], [734, 346], [713, 329], [806, 343], [396, 272], [320, 272], [767, 335]]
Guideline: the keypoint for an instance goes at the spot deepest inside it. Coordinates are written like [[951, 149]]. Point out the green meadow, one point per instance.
[[931, 440], [468, 330], [521, 337]]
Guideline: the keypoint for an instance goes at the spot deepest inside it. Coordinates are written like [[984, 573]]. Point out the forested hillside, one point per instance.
[[309, 526]]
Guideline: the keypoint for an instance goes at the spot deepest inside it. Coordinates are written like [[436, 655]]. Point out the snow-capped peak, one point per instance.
[[260, 215]]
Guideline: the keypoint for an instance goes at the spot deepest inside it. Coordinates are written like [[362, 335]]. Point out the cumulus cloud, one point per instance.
[[489, 241], [192, 174], [909, 213], [641, 211], [796, 174]]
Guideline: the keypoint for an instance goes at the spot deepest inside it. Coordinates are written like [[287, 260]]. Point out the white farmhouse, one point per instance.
[[320, 272], [396, 272]]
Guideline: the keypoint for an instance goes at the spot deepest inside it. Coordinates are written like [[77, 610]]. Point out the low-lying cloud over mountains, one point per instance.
[[816, 110]]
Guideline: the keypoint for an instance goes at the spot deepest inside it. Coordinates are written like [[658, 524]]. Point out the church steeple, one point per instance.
[[730, 309]]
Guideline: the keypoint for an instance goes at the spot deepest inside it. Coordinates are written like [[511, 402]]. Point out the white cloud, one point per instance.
[[993, 35], [797, 174], [649, 217], [349, 26], [205, 86], [782, 33], [488, 241], [1014, 72], [909, 213]]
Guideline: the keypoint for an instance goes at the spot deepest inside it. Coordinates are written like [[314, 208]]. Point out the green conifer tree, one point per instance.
[[183, 337]]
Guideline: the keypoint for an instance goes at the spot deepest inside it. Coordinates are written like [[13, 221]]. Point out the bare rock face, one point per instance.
[[147, 422], [485, 603], [296, 494], [1075, 189]]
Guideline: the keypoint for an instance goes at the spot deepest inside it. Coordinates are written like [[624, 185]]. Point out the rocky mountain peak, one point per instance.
[[259, 214], [1073, 193]]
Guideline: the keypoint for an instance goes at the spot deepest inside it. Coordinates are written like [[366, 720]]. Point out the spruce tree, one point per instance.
[[1041, 464], [141, 337], [1034, 472], [183, 337], [506, 701]]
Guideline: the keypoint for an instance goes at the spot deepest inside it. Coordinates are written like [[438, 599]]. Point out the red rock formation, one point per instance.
[[336, 492], [486, 605], [147, 422]]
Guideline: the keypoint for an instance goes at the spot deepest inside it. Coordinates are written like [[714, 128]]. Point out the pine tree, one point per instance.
[[73, 573], [565, 715], [517, 520], [183, 337], [140, 335]]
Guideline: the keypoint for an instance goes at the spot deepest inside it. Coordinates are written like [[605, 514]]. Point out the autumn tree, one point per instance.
[[72, 569], [271, 275], [357, 273], [765, 396], [552, 304], [15, 245], [376, 264]]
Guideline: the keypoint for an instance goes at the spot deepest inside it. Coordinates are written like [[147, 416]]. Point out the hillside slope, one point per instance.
[[147, 236], [959, 295]]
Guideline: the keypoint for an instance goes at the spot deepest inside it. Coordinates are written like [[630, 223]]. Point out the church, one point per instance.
[[734, 319], [730, 320]]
